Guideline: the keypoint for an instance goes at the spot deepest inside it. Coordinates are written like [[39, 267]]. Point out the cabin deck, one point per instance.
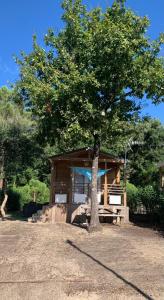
[[80, 213]]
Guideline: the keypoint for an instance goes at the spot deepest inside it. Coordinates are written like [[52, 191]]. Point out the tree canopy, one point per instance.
[[146, 154], [93, 74], [21, 156]]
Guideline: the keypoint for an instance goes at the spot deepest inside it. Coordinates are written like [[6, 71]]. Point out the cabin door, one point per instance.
[[81, 188]]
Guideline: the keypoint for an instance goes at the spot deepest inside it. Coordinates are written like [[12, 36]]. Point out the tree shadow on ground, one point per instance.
[[133, 286], [157, 228], [14, 216], [80, 225], [161, 232], [144, 221]]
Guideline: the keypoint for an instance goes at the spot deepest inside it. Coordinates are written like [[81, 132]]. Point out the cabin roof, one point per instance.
[[86, 154]]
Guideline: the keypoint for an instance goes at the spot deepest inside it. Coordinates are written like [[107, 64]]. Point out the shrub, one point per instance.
[[132, 196], [24, 193], [39, 191], [149, 197], [36, 191]]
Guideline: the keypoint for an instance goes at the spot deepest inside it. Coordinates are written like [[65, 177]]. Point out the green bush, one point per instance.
[[149, 198], [132, 196], [24, 193], [39, 191], [35, 190]]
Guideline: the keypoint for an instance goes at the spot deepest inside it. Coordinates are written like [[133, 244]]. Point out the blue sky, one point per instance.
[[20, 19]]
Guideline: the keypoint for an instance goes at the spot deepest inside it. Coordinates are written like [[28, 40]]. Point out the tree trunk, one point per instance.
[[3, 182], [34, 196], [2, 158], [3, 205], [94, 223]]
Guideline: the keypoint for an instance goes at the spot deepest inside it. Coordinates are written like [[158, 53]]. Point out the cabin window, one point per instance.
[[81, 183], [81, 188]]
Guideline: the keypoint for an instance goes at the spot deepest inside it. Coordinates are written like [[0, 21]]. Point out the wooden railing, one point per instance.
[[111, 188], [115, 189], [106, 190]]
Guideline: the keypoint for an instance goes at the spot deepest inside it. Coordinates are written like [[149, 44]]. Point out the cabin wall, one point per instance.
[[61, 183], [62, 170], [61, 173], [161, 177]]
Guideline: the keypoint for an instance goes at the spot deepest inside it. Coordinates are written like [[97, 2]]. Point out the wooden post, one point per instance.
[[95, 222], [117, 174], [71, 185], [125, 194], [52, 193], [68, 206], [106, 188], [125, 199]]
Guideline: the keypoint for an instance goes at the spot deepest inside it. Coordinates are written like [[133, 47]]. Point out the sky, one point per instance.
[[20, 19]]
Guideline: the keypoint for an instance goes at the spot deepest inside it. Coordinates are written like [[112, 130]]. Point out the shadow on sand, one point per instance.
[[14, 216], [133, 286], [148, 221]]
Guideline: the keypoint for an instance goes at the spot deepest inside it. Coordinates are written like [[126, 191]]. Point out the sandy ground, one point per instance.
[[65, 262]]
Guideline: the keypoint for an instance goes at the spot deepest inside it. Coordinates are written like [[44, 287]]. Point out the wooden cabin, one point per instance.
[[70, 188], [161, 172]]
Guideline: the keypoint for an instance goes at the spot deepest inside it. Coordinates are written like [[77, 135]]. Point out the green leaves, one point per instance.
[[18, 147], [35, 187], [144, 157], [101, 61]]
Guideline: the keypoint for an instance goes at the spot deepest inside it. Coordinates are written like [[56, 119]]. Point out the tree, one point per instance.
[[143, 147], [15, 127], [146, 154], [88, 81]]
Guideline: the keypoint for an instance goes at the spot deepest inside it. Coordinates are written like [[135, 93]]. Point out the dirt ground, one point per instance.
[[61, 261]]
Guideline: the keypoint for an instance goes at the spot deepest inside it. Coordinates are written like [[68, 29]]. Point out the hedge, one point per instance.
[[21, 195]]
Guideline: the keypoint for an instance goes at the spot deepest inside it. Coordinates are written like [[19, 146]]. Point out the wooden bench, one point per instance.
[[106, 211], [117, 216]]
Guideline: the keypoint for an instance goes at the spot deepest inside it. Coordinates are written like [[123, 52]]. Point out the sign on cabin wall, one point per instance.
[[80, 198], [60, 198], [115, 199]]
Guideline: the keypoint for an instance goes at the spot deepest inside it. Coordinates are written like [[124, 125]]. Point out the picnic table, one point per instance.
[[106, 212]]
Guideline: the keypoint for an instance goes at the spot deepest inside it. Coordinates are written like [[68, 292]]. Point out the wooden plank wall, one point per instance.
[[61, 172]]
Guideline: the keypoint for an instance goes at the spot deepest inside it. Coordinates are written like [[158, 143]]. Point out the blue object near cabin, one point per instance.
[[88, 172]]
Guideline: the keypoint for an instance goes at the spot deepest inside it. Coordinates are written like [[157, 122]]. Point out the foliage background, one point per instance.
[[67, 95]]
